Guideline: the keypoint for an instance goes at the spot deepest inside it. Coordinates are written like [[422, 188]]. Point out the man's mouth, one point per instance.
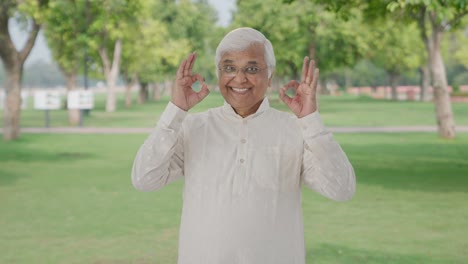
[[240, 90]]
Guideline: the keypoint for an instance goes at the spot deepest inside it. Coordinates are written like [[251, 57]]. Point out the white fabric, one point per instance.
[[242, 190]]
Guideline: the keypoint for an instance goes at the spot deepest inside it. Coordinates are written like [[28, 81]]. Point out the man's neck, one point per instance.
[[245, 112]]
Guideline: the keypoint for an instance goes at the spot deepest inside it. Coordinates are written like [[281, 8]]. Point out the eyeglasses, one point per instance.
[[231, 71]]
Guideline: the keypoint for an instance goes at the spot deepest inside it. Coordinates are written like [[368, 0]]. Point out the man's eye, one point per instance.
[[251, 70], [229, 69]]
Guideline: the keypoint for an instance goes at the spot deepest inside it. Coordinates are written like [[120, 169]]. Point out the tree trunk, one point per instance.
[[425, 82], [168, 87], [111, 71], [13, 61], [393, 79], [322, 88], [156, 91], [143, 93], [128, 90], [443, 105], [73, 114], [12, 108], [348, 79]]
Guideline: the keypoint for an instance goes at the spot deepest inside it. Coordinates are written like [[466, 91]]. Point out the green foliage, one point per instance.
[[166, 32], [65, 32], [33, 9], [447, 14], [459, 42], [396, 46], [303, 28], [76, 27]]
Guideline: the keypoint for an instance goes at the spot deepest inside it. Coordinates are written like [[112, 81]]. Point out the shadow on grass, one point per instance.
[[39, 156], [10, 177], [14, 162], [418, 167], [330, 253]]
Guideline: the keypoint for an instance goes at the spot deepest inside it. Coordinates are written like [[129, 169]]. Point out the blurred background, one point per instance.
[[82, 82]]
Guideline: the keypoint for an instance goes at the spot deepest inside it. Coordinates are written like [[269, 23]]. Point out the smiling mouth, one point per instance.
[[240, 90]]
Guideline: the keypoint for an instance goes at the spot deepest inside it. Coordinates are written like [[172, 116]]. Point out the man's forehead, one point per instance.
[[254, 54]]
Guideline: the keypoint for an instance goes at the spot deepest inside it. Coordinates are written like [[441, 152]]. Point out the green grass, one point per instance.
[[336, 111], [68, 199]]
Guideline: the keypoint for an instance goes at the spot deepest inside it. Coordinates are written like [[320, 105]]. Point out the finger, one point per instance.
[[180, 71], [192, 61], [187, 67], [310, 72], [304, 68], [284, 97], [315, 81], [203, 92]]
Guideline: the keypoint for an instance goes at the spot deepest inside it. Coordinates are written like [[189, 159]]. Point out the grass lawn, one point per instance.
[[336, 111], [68, 199]]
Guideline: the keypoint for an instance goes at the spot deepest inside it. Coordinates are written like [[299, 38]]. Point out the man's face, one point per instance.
[[243, 79]]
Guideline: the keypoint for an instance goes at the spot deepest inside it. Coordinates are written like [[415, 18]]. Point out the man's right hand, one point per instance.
[[183, 94]]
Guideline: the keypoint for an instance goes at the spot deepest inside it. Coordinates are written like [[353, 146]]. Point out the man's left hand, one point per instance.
[[305, 100]]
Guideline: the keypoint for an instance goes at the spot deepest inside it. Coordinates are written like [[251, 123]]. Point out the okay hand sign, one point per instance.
[[305, 100], [183, 94]]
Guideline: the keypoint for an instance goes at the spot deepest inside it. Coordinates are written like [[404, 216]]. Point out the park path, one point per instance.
[[126, 130]]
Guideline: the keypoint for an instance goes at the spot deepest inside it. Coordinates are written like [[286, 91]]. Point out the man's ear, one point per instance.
[[271, 78]]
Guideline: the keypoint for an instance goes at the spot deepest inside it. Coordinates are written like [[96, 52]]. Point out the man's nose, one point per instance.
[[241, 76]]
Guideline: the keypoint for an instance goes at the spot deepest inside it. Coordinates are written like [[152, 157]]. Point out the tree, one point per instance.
[[396, 48], [157, 53], [109, 22], [305, 28], [65, 32], [31, 13], [434, 19], [193, 22]]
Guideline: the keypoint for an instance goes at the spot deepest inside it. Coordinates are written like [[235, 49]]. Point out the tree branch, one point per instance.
[[456, 19], [116, 58], [422, 23], [23, 54], [105, 60], [7, 48]]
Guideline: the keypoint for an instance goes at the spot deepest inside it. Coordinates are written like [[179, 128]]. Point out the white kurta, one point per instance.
[[242, 190]]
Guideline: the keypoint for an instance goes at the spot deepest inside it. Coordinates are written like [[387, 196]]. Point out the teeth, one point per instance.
[[240, 90]]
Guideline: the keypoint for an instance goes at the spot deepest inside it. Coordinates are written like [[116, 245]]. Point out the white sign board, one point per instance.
[[47, 100], [24, 100], [80, 99]]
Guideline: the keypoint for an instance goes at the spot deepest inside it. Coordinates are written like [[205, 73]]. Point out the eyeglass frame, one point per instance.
[[243, 69]]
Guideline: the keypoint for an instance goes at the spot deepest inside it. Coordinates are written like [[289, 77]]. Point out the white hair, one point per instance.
[[240, 39]]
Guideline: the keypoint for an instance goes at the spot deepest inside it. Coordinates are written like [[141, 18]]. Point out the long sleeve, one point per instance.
[[160, 160], [325, 167]]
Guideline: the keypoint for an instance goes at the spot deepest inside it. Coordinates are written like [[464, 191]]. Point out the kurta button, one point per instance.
[[241, 160], [243, 140]]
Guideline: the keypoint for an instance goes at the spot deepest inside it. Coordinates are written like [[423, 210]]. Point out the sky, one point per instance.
[[41, 52]]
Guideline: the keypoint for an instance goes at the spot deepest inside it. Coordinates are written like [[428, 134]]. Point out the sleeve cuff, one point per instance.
[[172, 117], [311, 125]]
